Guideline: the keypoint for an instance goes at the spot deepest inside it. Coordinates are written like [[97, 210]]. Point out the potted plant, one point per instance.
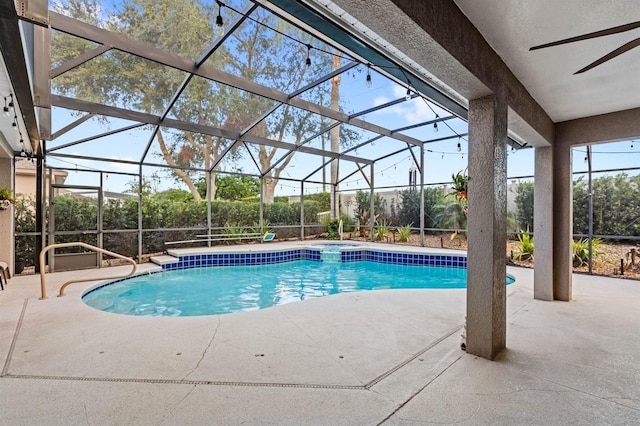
[[6, 198], [461, 186]]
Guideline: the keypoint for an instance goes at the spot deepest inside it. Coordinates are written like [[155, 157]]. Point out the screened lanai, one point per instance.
[[153, 92], [181, 93]]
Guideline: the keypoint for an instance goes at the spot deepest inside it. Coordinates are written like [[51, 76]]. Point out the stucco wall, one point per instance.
[[6, 216]]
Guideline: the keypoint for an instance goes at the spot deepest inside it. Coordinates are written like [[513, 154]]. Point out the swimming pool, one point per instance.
[[246, 284]]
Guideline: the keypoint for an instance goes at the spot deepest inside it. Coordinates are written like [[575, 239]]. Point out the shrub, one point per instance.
[[580, 250], [332, 230], [382, 227], [404, 232], [525, 251]]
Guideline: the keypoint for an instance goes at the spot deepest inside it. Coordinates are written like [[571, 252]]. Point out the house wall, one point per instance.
[[6, 216]]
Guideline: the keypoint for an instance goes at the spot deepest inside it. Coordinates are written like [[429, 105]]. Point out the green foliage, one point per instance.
[[363, 204], [525, 248], [332, 230], [7, 194], [322, 198], [460, 181], [232, 230], [235, 187], [381, 230], [25, 221], [524, 204], [404, 232], [615, 207], [409, 211], [449, 214], [178, 195], [580, 249], [347, 223]]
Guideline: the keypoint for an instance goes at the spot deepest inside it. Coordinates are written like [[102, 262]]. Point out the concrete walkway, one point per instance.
[[390, 357]]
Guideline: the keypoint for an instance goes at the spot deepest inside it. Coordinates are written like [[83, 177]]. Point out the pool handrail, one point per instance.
[[43, 288]]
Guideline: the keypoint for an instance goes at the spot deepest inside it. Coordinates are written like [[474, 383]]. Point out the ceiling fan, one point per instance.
[[615, 30]]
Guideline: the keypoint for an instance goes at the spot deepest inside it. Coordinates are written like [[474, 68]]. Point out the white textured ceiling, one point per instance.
[[511, 27]]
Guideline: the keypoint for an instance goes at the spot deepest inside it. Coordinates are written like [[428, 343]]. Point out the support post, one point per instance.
[[261, 207], [140, 214], [543, 224], [209, 182], [590, 199], [486, 267], [422, 195], [562, 222], [40, 227], [372, 207], [302, 210]]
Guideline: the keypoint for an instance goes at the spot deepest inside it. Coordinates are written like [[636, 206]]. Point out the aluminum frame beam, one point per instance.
[[152, 53], [141, 117]]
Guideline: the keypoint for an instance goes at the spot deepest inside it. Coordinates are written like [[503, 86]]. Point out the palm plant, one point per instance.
[[525, 251], [404, 232]]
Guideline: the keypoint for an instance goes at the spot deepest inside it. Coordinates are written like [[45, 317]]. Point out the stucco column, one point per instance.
[[487, 227], [543, 224], [562, 222], [6, 216]]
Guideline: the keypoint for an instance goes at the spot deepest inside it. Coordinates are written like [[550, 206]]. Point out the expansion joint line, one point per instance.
[[7, 362]]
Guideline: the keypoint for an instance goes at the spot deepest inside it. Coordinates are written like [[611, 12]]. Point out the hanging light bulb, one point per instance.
[[459, 147], [513, 148], [632, 144], [586, 158], [22, 153], [6, 109], [308, 60], [369, 83], [15, 121], [443, 155], [219, 21], [435, 123], [10, 100]]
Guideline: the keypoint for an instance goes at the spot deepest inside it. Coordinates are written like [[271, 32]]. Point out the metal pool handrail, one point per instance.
[[90, 247]]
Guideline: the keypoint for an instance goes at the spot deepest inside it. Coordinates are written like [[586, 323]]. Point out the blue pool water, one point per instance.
[[221, 290]]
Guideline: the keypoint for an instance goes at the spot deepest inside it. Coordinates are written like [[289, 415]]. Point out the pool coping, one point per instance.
[[352, 251]]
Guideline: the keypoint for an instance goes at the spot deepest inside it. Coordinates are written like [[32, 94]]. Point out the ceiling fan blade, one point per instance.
[[614, 30], [619, 51]]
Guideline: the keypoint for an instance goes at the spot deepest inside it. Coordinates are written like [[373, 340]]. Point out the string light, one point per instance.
[[408, 95], [459, 146], [6, 108], [308, 60], [219, 21], [435, 124], [369, 83]]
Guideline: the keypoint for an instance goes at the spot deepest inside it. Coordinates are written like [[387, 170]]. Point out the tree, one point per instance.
[[363, 204], [410, 206], [234, 187], [524, 204]]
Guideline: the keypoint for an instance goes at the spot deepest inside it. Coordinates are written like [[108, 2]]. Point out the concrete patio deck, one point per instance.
[[389, 357]]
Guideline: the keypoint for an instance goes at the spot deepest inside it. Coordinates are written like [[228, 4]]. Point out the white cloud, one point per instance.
[[381, 100]]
